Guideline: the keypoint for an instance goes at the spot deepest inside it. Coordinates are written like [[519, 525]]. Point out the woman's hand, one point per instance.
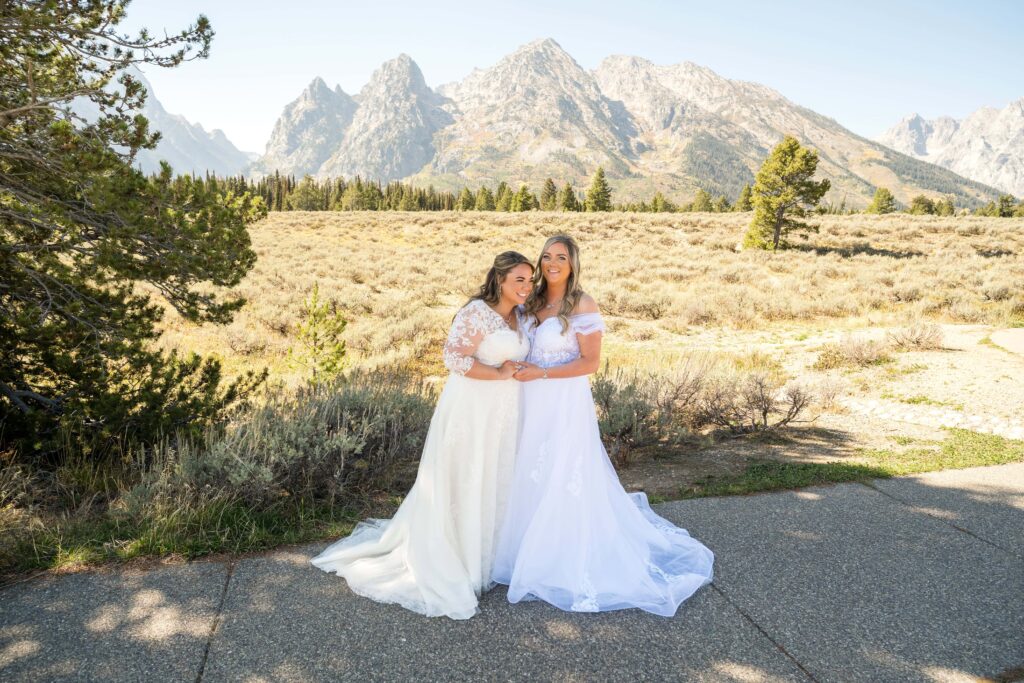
[[507, 370], [529, 372]]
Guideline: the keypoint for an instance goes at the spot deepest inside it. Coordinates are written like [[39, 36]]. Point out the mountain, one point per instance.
[[186, 146], [535, 113], [392, 132], [987, 146], [538, 113], [307, 132], [715, 131]]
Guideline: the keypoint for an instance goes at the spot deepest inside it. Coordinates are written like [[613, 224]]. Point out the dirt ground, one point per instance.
[[970, 382]]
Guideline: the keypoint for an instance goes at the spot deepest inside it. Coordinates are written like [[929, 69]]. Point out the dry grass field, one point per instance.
[[667, 283], [672, 287]]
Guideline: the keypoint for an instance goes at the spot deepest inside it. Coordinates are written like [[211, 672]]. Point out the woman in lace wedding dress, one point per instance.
[[434, 556], [572, 535]]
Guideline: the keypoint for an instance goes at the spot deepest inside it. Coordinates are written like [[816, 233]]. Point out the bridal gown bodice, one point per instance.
[[435, 555], [494, 342], [550, 347]]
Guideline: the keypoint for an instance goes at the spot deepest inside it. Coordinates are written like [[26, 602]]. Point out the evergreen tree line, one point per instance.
[[286, 193], [884, 202]]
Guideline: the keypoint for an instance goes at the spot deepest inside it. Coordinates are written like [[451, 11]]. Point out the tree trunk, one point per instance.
[[780, 214]]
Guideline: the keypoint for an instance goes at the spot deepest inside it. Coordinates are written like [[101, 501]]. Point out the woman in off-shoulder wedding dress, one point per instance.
[[572, 536], [434, 556]]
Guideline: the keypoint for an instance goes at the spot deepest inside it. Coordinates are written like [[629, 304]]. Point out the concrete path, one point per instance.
[[913, 579], [1011, 340]]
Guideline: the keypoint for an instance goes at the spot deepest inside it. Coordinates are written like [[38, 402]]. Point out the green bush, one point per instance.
[[308, 445], [638, 408], [627, 411]]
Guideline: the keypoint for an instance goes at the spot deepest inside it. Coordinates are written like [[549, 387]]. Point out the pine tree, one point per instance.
[[721, 205], [921, 205], [702, 202], [279, 192], [522, 200], [305, 197], [568, 200], [883, 202], [320, 347], [659, 204], [744, 202], [484, 199], [599, 196], [503, 197], [783, 191], [945, 207], [1006, 206], [81, 228], [408, 201], [549, 196], [466, 200]]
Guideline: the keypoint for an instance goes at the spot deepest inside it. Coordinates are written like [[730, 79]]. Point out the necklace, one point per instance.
[[506, 318], [553, 303]]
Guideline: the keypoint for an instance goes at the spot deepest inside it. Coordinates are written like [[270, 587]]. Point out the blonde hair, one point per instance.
[[573, 292]]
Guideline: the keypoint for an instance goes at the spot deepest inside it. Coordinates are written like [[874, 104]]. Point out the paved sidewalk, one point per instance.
[[912, 579]]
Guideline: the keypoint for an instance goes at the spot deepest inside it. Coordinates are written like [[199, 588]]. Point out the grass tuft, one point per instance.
[[961, 448]]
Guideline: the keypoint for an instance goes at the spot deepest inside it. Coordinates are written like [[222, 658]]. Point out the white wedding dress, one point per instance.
[[435, 555], [572, 535]]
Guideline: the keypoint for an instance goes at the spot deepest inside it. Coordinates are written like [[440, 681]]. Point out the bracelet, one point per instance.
[[545, 373]]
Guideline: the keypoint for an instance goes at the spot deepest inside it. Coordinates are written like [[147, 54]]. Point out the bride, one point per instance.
[[434, 556], [572, 536]]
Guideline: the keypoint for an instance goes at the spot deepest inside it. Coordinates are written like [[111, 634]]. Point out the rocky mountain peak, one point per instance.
[[391, 135], [308, 130], [540, 107], [987, 146], [396, 78], [318, 91], [186, 146]]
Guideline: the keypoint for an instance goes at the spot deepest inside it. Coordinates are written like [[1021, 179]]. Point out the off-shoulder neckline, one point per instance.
[[574, 315]]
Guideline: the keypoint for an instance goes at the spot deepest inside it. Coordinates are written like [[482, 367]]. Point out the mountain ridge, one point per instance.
[[986, 146], [537, 113]]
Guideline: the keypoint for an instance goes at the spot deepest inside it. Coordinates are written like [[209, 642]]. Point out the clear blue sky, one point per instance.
[[866, 63]]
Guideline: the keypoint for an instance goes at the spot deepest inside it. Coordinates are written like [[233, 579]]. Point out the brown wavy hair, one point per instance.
[[573, 292], [490, 290]]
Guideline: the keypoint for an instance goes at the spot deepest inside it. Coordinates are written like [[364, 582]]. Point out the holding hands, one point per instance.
[[508, 369], [521, 370], [527, 372]]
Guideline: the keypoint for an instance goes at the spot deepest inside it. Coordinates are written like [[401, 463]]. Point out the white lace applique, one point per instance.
[[551, 347], [665, 527], [472, 323], [588, 602], [655, 570], [538, 465], [575, 485]]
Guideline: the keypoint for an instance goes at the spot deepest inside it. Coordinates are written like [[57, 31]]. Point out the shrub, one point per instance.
[[626, 411], [639, 408], [852, 352], [919, 336], [756, 402], [356, 433]]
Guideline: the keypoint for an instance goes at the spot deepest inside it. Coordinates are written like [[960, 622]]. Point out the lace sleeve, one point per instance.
[[468, 330], [586, 323]]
